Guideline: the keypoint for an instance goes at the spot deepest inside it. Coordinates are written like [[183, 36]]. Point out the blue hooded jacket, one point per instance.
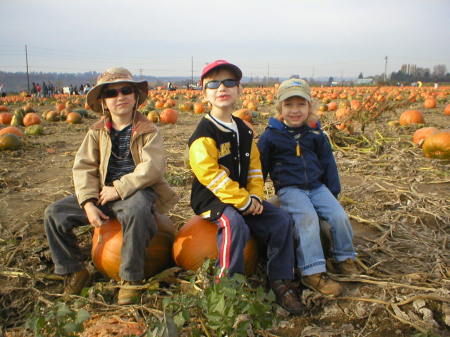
[[300, 157]]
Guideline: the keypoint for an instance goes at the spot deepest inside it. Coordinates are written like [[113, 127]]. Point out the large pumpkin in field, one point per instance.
[[5, 118], [168, 116], [31, 118], [11, 129], [411, 117], [437, 146], [421, 134], [107, 245], [196, 241]]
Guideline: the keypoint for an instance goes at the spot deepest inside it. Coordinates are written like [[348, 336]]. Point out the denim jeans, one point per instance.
[[306, 207], [138, 226]]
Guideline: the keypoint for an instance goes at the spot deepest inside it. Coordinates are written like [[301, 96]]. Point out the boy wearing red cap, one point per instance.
[[228, 186]]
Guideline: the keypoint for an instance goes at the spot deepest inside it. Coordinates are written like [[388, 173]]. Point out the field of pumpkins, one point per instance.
[[392, 147]]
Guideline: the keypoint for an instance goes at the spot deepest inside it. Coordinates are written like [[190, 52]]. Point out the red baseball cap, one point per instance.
[[221, 64]]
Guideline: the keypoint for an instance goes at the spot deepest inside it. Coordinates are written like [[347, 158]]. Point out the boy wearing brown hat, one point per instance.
[[299, 159], [228, 186], [117, 172]]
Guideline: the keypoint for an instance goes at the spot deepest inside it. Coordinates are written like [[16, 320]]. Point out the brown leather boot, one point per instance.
[[128, 294], [286, 297], [347, 267], [321, 283], [75, 282]]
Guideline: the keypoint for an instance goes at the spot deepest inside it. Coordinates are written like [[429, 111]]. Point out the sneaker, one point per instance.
[[347, 267], [321, 283], [128, 294], [75, 282], [286, 297]]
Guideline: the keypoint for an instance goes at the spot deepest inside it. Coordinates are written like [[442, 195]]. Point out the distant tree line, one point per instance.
[[17, 81]]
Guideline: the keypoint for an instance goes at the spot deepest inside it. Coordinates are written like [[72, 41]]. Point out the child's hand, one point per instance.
[[95, 216], [108, 193], [255, 208]]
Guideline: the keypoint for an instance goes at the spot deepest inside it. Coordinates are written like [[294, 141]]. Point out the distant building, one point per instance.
[[362, 81], [409, 69]]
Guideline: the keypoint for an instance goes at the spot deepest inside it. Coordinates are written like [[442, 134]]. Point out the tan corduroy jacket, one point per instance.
[[91, 164]]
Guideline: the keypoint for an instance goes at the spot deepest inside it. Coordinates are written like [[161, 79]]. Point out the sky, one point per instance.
[[279, 38]]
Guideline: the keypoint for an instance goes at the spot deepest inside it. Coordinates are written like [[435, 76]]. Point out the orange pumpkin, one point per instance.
[[429, 103], [168, 116], [31, 118], [60, 107], [437, 146], [11, 130], [199, 108], [5, 118], [107, 245], [332, 106], [73, 118], [4, 108], [411, 117], [421, 134], [52, 116], [196, 241], [447, 110], [244, 114]]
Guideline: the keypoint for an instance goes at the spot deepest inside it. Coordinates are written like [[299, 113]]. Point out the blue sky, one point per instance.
[[278, 37]]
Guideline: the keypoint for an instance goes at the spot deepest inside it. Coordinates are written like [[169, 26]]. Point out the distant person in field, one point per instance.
[[118, 172], [298, 157], [228, 186]]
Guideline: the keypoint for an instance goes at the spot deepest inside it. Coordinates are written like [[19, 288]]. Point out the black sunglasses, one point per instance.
[[110, 93], [229, 83]]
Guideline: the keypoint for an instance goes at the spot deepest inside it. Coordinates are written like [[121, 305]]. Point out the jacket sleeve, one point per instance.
[[330, 176], [264, 150], [204, 161], [85, 169], [148, 171], [255, 181]]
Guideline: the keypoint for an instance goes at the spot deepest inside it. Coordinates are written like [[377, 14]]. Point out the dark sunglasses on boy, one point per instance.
[[111, 93], [228, 83]]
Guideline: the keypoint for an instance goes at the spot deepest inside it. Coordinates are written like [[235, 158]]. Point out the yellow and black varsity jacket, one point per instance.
[[214, 156]]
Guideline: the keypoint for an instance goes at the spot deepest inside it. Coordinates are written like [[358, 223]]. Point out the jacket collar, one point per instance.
[[140, 124], [278, 125]]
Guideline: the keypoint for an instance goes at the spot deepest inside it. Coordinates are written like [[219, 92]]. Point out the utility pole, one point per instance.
[[267, 82], [192, 69], [385, 68], [28, 76]]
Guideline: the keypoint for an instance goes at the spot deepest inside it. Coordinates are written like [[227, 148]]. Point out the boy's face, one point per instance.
[[294, 111], [119, 99], [222, 98]]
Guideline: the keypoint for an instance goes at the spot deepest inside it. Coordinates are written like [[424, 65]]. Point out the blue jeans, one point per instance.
[[305, 207]]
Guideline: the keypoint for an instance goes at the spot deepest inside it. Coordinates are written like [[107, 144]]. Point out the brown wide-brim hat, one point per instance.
[[112, 76]]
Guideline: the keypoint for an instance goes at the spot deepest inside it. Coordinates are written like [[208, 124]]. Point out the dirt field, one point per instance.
[[398, 201]]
